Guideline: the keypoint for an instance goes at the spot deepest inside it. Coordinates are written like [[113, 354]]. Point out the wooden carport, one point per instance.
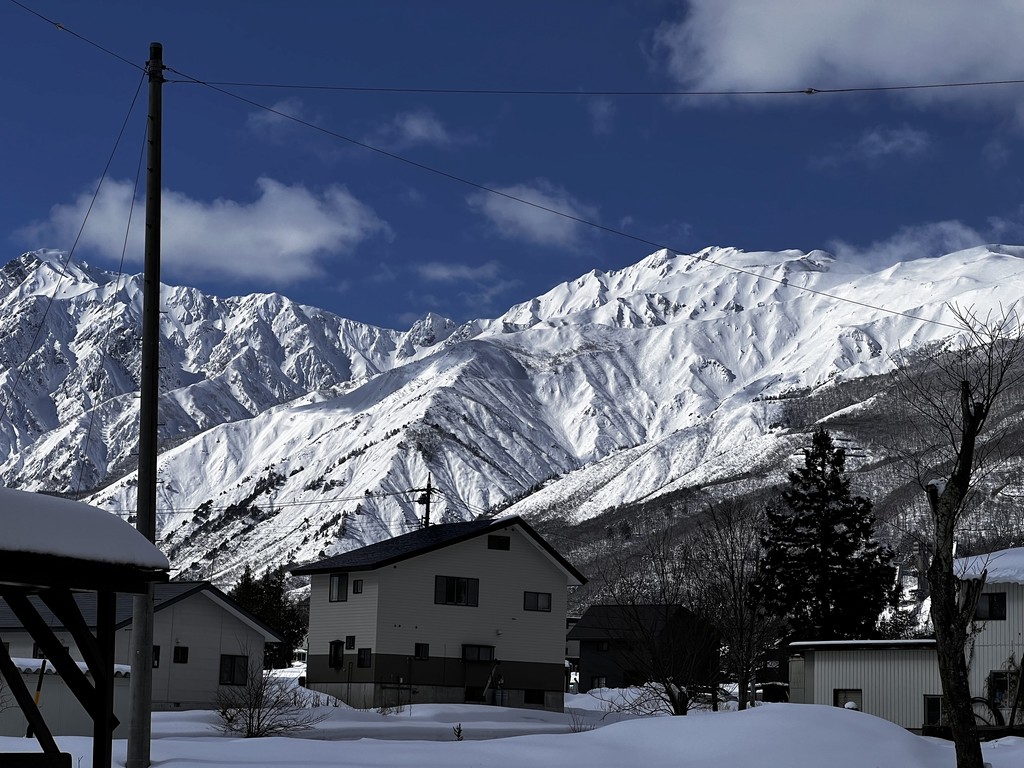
[[51, 547]]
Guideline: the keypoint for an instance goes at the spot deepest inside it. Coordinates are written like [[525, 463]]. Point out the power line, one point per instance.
[[806, 91], [112, 304], [810, 91], [67, 258], [84, 39], [571, 217]]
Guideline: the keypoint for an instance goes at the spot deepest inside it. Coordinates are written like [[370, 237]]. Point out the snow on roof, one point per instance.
[[31, 667], [49, 525], [1004, 567]]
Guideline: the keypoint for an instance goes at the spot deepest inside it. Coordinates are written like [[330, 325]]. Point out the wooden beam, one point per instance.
[[63, 605], [21, 694], [104, 721], [56, 654]]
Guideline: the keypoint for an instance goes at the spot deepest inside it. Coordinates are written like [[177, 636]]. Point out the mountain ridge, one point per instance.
[[293, 433]]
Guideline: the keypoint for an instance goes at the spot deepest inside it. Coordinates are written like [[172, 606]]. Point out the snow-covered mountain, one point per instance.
[[289, 432]]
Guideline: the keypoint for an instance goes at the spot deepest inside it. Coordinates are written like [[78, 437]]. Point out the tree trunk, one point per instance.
[[951, 616], [950, 642]]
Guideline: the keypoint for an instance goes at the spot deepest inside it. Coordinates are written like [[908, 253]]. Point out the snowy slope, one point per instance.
[[290, 432]]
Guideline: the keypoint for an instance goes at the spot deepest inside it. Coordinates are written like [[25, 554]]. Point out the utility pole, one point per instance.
[[141, 687], [424, 499]]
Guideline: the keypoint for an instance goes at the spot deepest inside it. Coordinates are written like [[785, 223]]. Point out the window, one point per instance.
[[499, 542], [478, 653], [180, 654], [234, 670], [339, 587], [991, 607], [998, 687], [848, 698], [357, 586], [932, 709], [364, 657], [537, 601], [453, 590], [422, 651], [602, 645], [336, 654], [599, 681], [156, 656], [350, 642], [534, 697]]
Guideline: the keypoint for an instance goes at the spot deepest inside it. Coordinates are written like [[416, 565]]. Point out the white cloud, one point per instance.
[[283, 236], [441, 272], [483, 283], [516, 220], [878, 144], [914, 242], [602, 114], [786, 44], [413, 129], [273, 126], [886, 142]]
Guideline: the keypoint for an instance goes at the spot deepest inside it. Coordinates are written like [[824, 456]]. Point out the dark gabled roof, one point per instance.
[[616, 622], [164, 596], [429, 539]]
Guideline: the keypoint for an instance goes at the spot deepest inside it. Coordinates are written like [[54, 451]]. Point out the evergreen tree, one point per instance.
[[266, 598], [823, 570]]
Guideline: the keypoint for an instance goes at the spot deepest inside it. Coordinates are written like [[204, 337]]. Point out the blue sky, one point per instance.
[[256, 202]]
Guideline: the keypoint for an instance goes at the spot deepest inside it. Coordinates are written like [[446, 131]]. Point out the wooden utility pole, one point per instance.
[[424, 499], [140, 727]]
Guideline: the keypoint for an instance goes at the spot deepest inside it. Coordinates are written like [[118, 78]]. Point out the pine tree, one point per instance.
[[823, 569], [266, 598]]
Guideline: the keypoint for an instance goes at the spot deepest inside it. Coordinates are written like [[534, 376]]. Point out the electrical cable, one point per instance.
[[624, 93], [113, 298], [84, 39], [808, 91], [68, 256], [538, 206]]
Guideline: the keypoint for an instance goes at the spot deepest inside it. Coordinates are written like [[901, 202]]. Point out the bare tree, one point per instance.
[[955, 396], [266, 706], [660, 641], [724, 562]]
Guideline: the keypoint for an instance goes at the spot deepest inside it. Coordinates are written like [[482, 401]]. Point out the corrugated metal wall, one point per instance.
[[894, 681]]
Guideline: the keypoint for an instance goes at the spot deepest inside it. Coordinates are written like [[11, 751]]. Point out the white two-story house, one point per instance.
[[899, 680], [449, 613]]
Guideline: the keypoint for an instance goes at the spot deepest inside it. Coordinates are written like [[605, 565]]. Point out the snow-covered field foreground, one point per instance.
[[784, 735]]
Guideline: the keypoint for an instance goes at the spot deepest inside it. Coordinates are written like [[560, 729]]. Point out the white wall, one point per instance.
[[63, 713]]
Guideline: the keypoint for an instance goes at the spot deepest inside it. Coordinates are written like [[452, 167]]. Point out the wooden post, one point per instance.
[[140, 730]]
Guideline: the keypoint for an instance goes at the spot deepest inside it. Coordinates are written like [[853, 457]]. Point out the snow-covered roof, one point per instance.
[[48, 525], [1004, 567], [31, 667]]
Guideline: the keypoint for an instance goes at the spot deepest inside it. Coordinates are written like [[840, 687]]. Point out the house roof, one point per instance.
[[610, 622], [1003, 567], [50, 541], [430, 539], [164, 596], [862, 645]]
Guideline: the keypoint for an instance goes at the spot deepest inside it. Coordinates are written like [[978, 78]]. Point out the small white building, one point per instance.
[[899, 680]]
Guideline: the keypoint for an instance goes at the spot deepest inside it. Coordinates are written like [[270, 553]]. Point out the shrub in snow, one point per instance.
[[267, 706]]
